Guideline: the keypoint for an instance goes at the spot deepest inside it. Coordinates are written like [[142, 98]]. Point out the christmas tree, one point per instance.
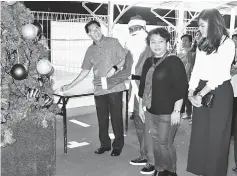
[[26, 88]]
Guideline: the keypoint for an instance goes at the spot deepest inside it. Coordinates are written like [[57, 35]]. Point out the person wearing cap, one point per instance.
[[234, 84], [136, 44]]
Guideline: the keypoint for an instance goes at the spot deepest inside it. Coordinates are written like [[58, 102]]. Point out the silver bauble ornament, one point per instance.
[[29, 31], [44, 67], [19, 72], [10, 2]]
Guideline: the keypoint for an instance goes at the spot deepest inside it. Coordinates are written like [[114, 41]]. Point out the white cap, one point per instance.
[[136, 20]]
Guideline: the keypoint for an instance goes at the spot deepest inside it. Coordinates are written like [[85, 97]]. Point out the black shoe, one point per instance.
[[3, 120], [163, 173], [186, 116], [235, 169], [155, 173], [132, 117], [138, 161], [102, 150], [148, 169], [172, 173], [116, 152]]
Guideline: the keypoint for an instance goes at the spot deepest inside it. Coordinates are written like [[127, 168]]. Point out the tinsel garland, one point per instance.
[[15, 105]]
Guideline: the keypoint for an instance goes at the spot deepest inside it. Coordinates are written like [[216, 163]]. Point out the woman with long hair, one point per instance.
[[211, 127], [162, 88], [234, 84]]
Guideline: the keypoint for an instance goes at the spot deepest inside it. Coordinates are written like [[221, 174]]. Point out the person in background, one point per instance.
[[211, 126], [197, 39], [163, 85], [106, 56], [187, 58], [44, 41], [234, 84]]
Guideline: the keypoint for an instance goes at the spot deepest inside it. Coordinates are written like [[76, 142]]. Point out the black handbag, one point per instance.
[[207, 100]]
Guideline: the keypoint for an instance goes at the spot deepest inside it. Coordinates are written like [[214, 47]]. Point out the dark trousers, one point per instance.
[[163, 134], [234, 128], [235, 141], [189, 107], [105, 105]]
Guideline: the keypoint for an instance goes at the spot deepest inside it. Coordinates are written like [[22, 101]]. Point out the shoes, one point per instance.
[[185, 116], [155, 173], [148, 169], [190, 123], [138, 161], [172, 173], [116, 152], [3, 120], [102, 150], [163, 173], [235, 169]]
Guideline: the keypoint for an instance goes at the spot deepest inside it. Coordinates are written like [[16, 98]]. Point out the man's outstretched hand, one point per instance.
[[65, 88]]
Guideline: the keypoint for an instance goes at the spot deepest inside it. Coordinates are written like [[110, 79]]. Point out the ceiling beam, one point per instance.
[[173, 4], [162, 18], [93, 12], [123, 12]]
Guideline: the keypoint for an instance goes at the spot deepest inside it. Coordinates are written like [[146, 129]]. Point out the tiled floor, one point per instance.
[[81, 160]]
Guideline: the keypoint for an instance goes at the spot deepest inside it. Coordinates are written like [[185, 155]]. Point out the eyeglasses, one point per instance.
[[134, 29], [94, 30]]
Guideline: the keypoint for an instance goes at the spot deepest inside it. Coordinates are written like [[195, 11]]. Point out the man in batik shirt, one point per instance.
[[106, 56]]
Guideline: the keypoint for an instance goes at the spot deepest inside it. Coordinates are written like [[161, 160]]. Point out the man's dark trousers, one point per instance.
[[235, 140], [110, 104], [234, 128]]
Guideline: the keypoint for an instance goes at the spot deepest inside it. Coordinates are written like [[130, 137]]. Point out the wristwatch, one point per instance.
[[177, 111], [115, 67]]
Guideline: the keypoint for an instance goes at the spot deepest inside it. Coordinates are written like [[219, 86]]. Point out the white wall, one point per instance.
[[71, 43], [68, 52]]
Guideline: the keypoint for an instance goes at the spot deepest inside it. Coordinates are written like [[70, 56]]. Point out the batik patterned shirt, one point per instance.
[[102, 57]]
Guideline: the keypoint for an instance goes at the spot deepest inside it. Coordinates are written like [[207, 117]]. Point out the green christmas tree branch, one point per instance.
[[16, 105]]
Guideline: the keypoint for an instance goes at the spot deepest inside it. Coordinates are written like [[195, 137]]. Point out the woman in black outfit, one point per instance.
[[211, 127], [234, 85], [161, 91]]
